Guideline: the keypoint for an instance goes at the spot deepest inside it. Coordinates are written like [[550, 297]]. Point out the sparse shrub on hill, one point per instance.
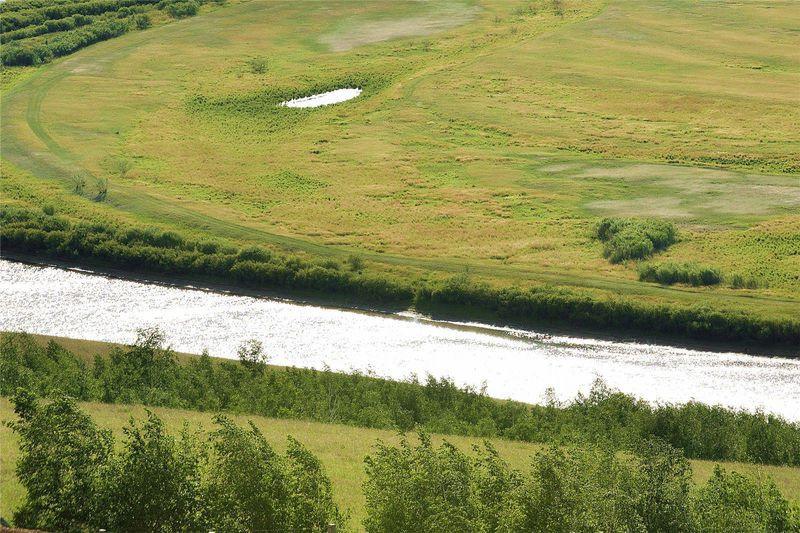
[[634, 238]]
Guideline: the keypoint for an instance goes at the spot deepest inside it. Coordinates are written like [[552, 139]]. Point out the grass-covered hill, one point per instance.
[[491, 138]]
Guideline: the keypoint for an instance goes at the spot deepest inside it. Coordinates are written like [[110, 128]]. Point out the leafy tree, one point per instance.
[[252, 357], [62, 456], [154, 484]]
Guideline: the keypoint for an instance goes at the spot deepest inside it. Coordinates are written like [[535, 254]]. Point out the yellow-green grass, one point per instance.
[[340, 448], [494, 143]]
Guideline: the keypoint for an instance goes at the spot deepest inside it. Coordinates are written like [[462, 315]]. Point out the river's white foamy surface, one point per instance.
[[513, 364]]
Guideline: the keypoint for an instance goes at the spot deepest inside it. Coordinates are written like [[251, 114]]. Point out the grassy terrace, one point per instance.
[[489, 139]]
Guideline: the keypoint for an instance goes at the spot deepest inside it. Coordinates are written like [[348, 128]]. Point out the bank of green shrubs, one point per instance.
[[148, 374], [629, 238], [425, 488], [38, 32], [688, 273], [77, 479], [153, 250]]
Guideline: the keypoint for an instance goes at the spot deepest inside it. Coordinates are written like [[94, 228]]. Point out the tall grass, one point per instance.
[[626, 239]]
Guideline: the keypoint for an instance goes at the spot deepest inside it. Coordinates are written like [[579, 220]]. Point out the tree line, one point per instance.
[[157, 251], [77, 479], [147, 373]]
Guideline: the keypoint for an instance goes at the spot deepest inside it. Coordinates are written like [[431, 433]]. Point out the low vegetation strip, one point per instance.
[[45, 233], [233, 480], [688, 273], [39, 33], [149, 374]]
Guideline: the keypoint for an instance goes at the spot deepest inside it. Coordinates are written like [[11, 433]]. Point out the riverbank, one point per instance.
[[510, 363], [152, 251]]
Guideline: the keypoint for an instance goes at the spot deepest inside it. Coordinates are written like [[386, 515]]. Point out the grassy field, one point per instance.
[[490, 136], [340, 448]]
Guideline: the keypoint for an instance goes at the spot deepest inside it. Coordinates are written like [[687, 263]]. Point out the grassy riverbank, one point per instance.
[[519, 162]]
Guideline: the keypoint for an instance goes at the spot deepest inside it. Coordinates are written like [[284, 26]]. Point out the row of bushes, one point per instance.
[[424, 488], [146, 373], [49, 26], [36, 16], [77, 480], [38, 52], [148, 250], [31, 44], [626, 239], [671, 273]]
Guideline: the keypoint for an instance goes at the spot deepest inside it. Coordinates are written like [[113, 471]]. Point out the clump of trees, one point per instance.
[[425, 488], [76, 479], [150, 374], [688, 273], [627, 238], [156, 250]]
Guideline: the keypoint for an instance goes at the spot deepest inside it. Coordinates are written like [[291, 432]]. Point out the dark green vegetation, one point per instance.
[[76, 479], [146, 373], [147, 249], [37, 32], [626, 239], [424, 488], [689, 273]]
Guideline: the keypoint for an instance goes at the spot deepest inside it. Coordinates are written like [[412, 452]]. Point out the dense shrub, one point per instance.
[[634, 238], [423, 488], [147, 373], [76, 481], [671, 273]]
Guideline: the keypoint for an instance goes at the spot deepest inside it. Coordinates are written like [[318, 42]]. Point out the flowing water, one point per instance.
[[511, 363]]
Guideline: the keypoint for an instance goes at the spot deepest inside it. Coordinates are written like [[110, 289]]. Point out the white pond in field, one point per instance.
[[512, 363], [328, 98]]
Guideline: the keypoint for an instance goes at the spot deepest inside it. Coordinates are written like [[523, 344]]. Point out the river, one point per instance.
[[511, 363]]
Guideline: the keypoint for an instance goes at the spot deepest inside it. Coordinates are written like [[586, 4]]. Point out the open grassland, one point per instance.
[[490, 137], [340, 448]]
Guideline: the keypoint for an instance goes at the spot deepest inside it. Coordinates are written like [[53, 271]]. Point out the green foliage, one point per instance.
[[181, 9], [75, 480], [733, 502], [154, 483], [147, 373], [741, 282], [26, 31], [61, 458], [411, 488], [252, 357], [163, 252], [634, 238], [671, 273]]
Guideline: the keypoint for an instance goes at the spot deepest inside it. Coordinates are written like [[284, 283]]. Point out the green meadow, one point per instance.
[[490, 138]]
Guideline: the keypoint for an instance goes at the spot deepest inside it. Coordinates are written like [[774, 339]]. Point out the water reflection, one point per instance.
[[512, 363]]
